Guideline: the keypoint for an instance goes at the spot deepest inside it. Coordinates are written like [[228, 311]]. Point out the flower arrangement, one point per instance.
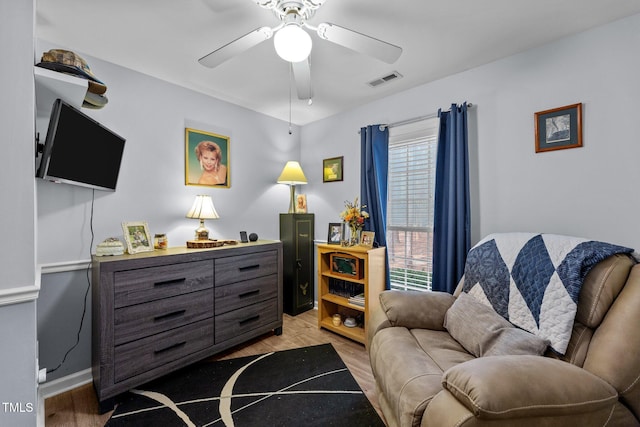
[[354, 215]]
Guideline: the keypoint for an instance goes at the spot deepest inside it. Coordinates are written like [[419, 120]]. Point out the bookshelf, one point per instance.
[[355, 270]]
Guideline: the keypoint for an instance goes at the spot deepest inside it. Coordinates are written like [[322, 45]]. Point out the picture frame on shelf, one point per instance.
[[334, 236], [559, 128], [137, 237], [207, 159], [332, 169], [367, 238], [301, 203]]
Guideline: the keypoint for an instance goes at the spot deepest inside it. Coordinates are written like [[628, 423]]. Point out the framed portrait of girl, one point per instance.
[[206, 159]]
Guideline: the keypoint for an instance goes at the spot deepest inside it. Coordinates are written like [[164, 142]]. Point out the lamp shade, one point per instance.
[[203, 208], [292, 174], [292, 43]]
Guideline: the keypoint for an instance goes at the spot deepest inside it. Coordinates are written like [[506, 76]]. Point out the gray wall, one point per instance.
[[588, 191], [152, 115], [60, 313], [18, 281]]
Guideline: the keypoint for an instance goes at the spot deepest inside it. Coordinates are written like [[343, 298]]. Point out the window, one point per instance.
[[411, 185]]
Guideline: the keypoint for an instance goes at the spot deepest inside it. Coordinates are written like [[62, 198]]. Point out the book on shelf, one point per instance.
[[357, 300], [345, 288]]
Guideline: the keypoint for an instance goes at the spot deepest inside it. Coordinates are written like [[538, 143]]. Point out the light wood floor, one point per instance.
[[79, 407]]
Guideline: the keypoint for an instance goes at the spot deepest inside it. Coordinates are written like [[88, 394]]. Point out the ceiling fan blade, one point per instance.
[[236, 47], [358, 42], [302, 76]]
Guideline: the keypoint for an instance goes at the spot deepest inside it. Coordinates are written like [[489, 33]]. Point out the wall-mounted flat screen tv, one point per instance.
[[80, 151]]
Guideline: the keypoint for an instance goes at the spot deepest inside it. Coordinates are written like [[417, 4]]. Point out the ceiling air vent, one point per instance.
[[386, 79]]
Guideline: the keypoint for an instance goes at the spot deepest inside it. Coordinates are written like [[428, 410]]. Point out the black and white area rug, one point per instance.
[[308, 386]]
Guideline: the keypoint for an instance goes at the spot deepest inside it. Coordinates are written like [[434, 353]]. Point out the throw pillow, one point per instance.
[[483, 332]]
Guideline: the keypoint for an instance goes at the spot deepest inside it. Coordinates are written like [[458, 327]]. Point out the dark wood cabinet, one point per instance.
[[155, 312], [296, 234]]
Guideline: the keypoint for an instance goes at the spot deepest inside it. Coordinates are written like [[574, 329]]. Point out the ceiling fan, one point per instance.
[[293, 44]]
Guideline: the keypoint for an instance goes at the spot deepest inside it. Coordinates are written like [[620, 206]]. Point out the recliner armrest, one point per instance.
[[423, 310], [503, 387]]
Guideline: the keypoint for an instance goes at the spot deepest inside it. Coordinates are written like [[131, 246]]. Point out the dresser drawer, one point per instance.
[[243, 267], [235, 323], [153, 283], [143, 355], [141, 320], [241, 294]]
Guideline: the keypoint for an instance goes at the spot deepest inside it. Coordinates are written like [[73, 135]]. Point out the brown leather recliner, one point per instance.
[[426, 378]]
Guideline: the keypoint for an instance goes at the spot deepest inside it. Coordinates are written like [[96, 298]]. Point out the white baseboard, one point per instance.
[[61, 385]]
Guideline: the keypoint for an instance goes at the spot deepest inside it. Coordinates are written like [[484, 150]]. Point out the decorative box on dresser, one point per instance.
[[365, 273], [155, 312], [296, 234]]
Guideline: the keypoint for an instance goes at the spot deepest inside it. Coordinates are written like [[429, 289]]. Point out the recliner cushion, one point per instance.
[[483, 332], [408, 367]]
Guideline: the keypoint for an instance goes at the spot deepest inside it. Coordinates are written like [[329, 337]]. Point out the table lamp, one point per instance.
[[292, 174], [202, 209]]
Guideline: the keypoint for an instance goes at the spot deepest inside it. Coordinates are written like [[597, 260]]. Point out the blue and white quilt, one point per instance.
[[534, 280]]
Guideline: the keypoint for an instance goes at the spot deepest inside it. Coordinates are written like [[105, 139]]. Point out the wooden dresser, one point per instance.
[[155, 312]]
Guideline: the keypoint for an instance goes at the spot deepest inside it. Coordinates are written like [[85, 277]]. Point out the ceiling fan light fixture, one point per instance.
[[292, 43]]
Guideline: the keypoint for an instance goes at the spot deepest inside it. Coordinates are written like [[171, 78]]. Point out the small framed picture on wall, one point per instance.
[[332, 169], [559, 128]]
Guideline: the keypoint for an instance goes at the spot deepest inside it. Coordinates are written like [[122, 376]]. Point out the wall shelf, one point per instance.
[[51, 85]]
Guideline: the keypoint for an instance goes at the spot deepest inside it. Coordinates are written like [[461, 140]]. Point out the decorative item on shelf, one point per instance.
[[68, 62], [253, 237], [137, 236], [291, 175], [353, 217], [334, 236], [350, 322], [336, 320], [367, 238], [160, 241], [208, 244], [202, 209], [346, 265], [301, 203], [110, 246]]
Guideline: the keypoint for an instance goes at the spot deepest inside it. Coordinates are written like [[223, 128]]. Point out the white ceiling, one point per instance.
[[165, 39]]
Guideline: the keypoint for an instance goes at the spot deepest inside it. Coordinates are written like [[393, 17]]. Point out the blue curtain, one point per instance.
[[374, 158], [452, 224]]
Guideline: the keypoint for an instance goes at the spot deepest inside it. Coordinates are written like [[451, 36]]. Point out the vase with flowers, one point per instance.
[[353, 217]]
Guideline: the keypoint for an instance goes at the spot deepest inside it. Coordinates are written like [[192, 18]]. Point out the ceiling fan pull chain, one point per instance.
[[290, 75]]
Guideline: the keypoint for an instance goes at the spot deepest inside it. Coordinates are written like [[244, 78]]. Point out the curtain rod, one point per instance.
[[409, 121], [413, 120]]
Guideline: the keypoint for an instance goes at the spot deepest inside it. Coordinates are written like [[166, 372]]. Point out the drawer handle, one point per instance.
[[176, 313], [249, 267], [249, 294], [171, 347], [170, 282], [249, 320]]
